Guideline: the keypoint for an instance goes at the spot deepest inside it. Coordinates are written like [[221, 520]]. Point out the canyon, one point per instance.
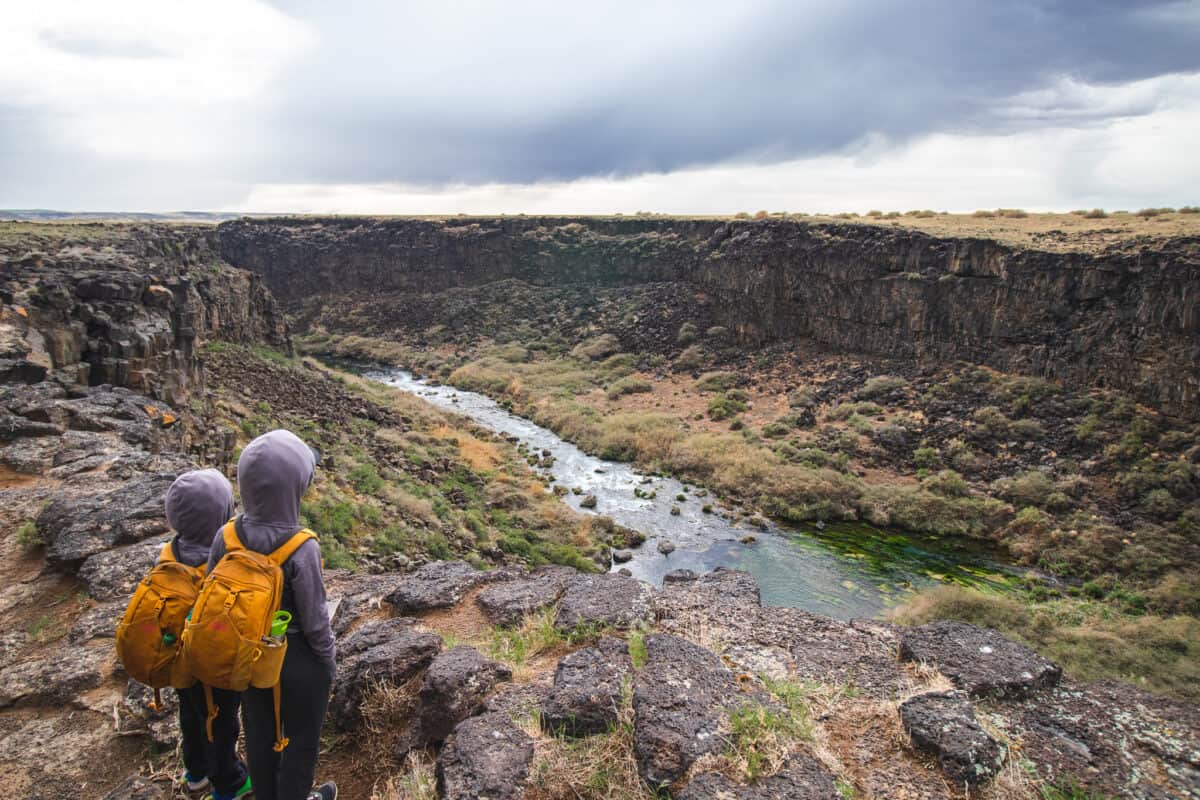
[[1042, 400]]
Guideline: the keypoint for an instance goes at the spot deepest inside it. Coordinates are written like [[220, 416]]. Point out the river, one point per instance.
[[844, 570]]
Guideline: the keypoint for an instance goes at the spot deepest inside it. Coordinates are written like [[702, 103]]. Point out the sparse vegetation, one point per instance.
[[28, 536]]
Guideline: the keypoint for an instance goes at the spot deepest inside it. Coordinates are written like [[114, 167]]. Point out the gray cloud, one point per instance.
[[410, 100]]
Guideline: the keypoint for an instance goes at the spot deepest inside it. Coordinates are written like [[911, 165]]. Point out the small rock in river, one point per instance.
[[749, 539], [588, 502], [675, 512], [666, 547], [621, 556]]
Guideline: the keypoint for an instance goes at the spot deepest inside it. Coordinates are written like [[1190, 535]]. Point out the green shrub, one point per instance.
[[927, 458], [597, 347], [366, 479], [628, 385], [846, 410], [29, 537], [688, 333], [717, 381], [691, 358], [724, 406], [776, 430], [878, 386], [948, 483]]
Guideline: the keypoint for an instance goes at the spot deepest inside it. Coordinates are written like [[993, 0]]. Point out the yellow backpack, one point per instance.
[[149, 636], [227, 641]]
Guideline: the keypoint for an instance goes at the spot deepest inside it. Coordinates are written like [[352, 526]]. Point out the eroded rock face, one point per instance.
[[680, 701], [99, 622], [943, 725], [588, 685], [487, 757], [77, 526], [603, 600], [55, 679], [115, 573], [440, 584], [979, 660], [508, 603], [455, 686], [802, 778], [390, 651]]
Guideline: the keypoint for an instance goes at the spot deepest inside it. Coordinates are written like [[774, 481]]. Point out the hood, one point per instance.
[[274, 471], [198, 504]]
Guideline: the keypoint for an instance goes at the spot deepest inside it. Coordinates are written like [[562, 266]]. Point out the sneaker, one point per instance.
[[195, 784], [242, 791], [326, 791]]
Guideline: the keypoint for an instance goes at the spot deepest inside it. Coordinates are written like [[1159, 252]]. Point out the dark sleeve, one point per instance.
[[216, 552], [308, 591]]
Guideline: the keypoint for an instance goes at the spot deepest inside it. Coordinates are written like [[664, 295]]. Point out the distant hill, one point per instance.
[[47, 214]]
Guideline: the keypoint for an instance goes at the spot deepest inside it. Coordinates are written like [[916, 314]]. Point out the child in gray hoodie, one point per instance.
[[274, 472], [198, 504]]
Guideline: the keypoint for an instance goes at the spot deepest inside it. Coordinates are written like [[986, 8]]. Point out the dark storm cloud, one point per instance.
[[473, 94]]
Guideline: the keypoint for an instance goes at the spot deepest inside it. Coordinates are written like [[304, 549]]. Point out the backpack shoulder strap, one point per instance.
[[285, 550], [230, 536], [168, 553]]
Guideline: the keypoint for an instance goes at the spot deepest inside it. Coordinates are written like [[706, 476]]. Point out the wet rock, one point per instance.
[[98, 623], [487, 757], [801, 778], [509, 602], [603, 600], [586, 697], [943, 725], [979, 660], [385, 653], [116, 572], [679, 702], [626, 571], [680, 576], [78, 525], [56, 679], [588, 502], [455, 686], [137, 788], [440, 584], [622, 556], [666, 547]]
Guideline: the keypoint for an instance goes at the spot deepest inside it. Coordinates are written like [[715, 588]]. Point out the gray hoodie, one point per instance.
[[198, 504], [274, 471]]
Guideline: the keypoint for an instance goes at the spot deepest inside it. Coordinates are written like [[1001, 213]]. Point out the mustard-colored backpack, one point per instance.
[[227, 642], [150, 635]]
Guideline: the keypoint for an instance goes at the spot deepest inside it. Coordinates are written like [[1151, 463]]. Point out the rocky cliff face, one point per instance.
[[125, 306], [1127, 317]]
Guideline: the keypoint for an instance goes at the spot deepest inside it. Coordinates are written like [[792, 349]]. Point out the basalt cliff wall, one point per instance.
[[126, 306], [1127, 317]]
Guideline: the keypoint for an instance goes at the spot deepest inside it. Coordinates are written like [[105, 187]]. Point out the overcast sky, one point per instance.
[[561, 106]]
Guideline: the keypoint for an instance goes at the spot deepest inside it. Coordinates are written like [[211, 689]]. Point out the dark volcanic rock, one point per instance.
[[943, 724], [979, 660], [455, 686], [802, 778], [372, 634], [383, 653], [77, 525], [440, 584], [487, 757], [99, 622], [603, 600], [54, 680], [680, 699], [586, 698], [116, 572], [507, 603], [136, 715], [1113, 739]]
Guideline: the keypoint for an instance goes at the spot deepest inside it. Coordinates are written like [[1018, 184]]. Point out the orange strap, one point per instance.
[[156, 704], [285, 550], [280, 742], [229, 535], [167, 555], [212, 711]]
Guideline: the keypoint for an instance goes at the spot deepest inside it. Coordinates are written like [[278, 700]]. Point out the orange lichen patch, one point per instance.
[[21, 312], [151, 411], [168, 420]]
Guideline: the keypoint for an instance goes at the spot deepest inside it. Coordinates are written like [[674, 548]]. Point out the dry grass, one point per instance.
[[416, 782]]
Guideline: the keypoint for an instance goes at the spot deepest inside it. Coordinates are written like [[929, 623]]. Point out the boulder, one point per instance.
[[54, 680], [979, 660], [378, 653], [98, 623], [801, 778], [680, 699], [622, 556], [440, 584], [79, 524], [114, 573], [509, 602], [943, 725], [587, 694], [609, 600], [455, 686], [487, 757]]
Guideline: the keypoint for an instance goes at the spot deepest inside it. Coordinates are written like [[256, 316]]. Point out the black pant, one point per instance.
[[304, 697], [216, 759]]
